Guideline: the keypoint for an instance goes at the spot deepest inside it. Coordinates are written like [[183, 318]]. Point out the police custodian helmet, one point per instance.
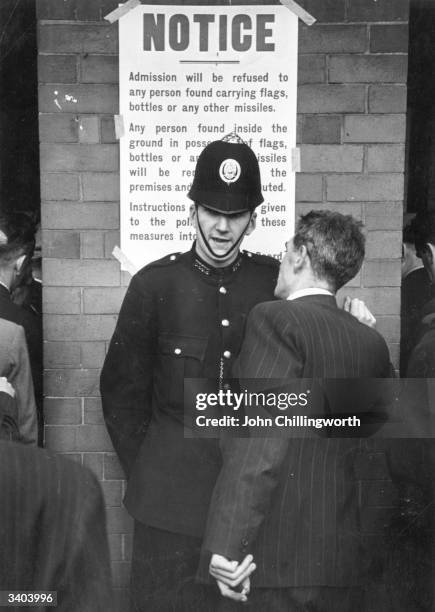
[[227, 177]]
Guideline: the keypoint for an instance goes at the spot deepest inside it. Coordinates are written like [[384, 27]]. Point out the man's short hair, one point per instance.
[[335, 244], [423, 227], [17, 236], [409, 233]]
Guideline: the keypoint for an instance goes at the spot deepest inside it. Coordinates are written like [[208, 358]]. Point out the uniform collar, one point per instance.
[[209, 270]]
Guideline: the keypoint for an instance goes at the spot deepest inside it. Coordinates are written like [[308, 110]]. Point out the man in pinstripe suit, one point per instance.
[[52, 525], [291, 506]]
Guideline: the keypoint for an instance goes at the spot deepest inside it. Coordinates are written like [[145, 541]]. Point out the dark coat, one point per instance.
[[293, 503], [180, 318], [416, 291], [52, 530], [422, 356]]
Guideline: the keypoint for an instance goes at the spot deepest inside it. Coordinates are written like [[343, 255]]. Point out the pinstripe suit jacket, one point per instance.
[[293, 503], [52, 530]]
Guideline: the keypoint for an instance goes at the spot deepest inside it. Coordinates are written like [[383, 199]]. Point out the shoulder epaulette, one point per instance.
[[167, 260], [264, 260]]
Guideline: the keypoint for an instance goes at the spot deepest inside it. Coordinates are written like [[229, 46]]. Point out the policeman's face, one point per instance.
[[221, 232]]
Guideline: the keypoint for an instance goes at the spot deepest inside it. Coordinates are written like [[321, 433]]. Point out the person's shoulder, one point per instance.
[[153, 274], [55, 467], [10, 330], [83, 477], [426, 337], [12, 342], [376, 335], [421, 363], [371, 335], [261, 260], [269, 308], [168, 262], [44, 480], [23, 459]]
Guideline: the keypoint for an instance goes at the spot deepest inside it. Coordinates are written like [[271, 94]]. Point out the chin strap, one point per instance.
[[230, 250]]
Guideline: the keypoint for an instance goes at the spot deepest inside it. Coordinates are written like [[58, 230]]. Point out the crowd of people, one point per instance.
[[232, 522]]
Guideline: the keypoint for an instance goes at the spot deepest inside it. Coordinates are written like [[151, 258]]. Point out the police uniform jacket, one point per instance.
[[180, 319]]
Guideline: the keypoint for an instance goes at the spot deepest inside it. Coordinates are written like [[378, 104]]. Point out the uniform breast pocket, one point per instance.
[[180, 357]]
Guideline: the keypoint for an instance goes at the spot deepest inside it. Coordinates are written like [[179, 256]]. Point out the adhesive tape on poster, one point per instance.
[[124, 261], [299, 11], [122, 10]]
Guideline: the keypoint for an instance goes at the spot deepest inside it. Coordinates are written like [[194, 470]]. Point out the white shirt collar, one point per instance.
[[309, 291], [413, 269], [5, 286]]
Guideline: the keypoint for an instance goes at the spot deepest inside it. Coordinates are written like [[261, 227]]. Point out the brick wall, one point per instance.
[[351, 129], [351, 126]]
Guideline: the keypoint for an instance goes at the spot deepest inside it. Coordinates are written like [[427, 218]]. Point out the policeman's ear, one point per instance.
[[252, 224], [192, 214]]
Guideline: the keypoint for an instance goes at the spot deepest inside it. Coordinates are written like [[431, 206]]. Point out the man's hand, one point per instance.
[[229, 575], [6, 386], [242, 595], [359, 310]]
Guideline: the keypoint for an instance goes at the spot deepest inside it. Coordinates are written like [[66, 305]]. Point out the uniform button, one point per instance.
[[227, 354], [249, 254], [245, 542], [177, 351], [172, 257], [222, 290], [225, 323], [226, 386]]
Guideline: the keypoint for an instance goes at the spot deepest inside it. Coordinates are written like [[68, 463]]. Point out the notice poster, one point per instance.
[[191, 75]]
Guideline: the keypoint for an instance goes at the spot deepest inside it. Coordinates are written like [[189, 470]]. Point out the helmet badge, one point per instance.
[[229, 171]]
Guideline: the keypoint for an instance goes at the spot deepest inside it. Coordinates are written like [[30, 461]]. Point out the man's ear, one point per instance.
[[252, 224], [300, 258], [19, 263], [429, 251], [192, 214]]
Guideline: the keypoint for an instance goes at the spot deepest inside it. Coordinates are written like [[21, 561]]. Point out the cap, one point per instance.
[[227, 177]]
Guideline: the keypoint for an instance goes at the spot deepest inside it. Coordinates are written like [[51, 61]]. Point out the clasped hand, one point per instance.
[[232, 578]]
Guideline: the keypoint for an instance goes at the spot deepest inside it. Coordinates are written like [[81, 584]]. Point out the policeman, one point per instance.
[[182, 317]]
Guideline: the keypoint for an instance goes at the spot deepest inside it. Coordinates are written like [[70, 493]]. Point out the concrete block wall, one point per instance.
[[351, 130]]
